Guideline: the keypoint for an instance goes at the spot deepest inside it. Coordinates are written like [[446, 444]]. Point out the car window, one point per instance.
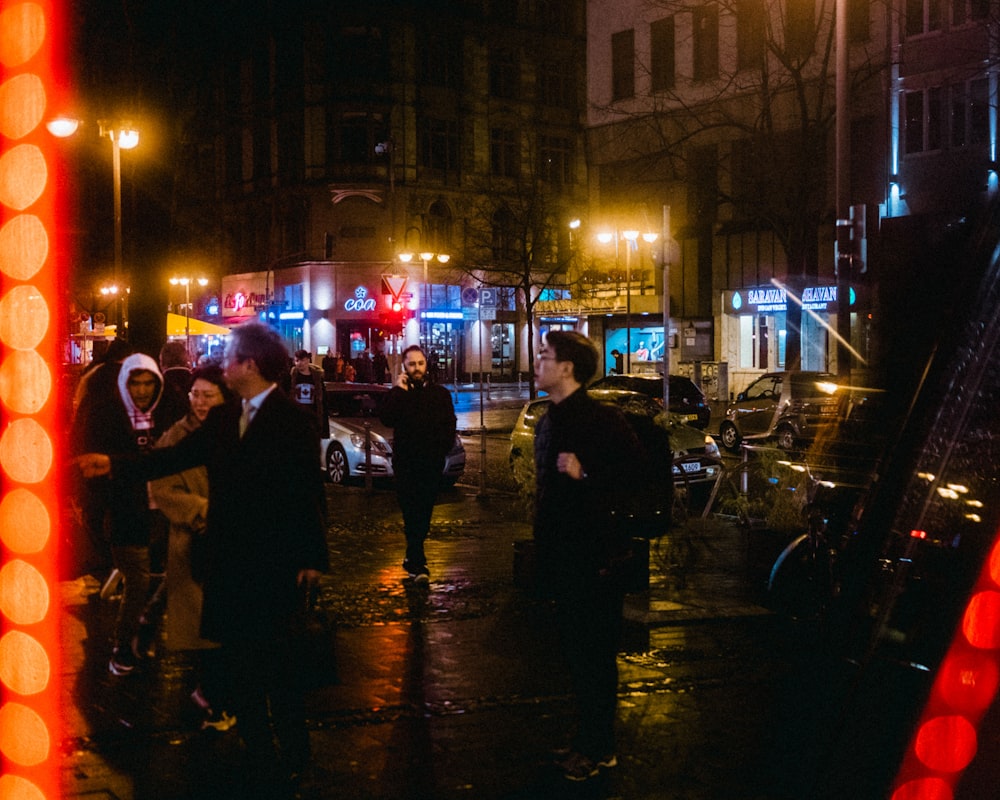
[[534, 412], [354, 404], [763, 389]]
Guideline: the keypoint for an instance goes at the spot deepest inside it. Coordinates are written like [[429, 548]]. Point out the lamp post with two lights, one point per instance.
[[631, 236], [426, 257], [186, 282], [122, 137]]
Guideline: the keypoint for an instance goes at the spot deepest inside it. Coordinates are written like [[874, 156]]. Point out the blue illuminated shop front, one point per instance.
[[754, 327]]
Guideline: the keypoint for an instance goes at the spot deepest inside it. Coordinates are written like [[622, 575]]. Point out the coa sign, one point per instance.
[[360, 302]]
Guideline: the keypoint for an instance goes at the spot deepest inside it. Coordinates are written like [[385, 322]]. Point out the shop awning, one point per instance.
[[176, 326]]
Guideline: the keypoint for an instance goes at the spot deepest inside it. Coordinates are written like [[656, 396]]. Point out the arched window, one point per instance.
[[439, 227], [504, 246]]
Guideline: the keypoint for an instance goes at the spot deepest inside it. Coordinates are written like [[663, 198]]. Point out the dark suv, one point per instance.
[[788, 406], [686, 400]]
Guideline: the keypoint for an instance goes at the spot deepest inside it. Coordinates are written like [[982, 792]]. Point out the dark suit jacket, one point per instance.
[[266, 517]]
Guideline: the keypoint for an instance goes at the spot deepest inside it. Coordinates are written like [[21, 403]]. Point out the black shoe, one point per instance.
[[144, 642], [417, 572]]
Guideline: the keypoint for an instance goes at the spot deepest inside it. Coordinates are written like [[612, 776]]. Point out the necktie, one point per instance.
[[245, 417]]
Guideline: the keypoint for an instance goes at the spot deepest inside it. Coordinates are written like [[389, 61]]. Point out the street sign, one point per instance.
[[488, 297], [487, 313], [470, 296]]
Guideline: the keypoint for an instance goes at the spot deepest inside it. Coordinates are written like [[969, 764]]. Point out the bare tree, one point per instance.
[[517, 237]]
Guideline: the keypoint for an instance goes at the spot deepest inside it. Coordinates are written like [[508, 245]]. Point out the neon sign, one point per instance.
[[360, 302]]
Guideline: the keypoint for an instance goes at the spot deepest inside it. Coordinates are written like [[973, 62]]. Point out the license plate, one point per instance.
[[689, 466]]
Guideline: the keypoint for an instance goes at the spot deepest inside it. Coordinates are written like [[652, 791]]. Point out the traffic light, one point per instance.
[[394, 317]]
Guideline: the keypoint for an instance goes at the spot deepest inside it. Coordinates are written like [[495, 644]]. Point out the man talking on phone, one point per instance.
[[423, 419]]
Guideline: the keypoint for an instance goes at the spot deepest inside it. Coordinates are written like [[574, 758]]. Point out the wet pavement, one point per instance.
[[457, 690]]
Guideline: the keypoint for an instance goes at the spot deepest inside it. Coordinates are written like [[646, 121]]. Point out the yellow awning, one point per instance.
[[176, 327]]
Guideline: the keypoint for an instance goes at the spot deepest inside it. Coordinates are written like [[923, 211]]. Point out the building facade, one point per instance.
[[371, 166], [723, 116]]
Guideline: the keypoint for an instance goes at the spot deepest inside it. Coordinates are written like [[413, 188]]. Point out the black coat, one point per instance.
[[266, 519], [423, 423], [573, 529]]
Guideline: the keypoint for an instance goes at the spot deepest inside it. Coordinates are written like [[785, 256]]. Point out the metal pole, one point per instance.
[[187, 316], [116, 168], [665, 238], [482, 420], [842, 155]]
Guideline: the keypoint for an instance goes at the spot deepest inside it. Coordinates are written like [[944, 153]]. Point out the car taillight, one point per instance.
[[946, 738]]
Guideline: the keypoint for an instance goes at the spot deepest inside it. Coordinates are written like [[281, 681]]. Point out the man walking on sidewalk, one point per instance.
[[423, 418], [584, 457]]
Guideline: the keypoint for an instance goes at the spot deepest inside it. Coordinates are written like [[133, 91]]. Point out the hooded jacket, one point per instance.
[[120, 427]]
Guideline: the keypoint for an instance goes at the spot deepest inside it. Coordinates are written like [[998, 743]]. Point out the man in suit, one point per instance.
[[266, 544]]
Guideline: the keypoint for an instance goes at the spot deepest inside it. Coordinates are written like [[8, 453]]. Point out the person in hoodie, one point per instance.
[[129, 424]]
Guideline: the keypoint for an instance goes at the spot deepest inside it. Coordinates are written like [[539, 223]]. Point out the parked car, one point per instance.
[[686, 400], [353, 410], [787, 406], [694, 451]]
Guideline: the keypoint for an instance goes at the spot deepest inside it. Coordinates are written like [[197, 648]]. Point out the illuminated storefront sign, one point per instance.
[[442, 315], [360, 302], [771, 299]]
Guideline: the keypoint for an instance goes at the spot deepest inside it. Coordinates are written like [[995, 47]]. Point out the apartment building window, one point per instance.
[[922, 16], [505, 75], [439, 227], [555, 84], [555, 159], [970, 113], [623, 65], [504, 244], [749, 34], [439, 144], [441, 60], [965, 11], [359, 51], [662, 52], [706, 42], [505, 152], [800, 29], [859, 20], [357, 134], [555, 16], [923, 120]]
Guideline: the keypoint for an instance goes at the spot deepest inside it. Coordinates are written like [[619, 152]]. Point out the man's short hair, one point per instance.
[[262, 344], [173, 354], [412, 348], [576, 348], [300, 354]]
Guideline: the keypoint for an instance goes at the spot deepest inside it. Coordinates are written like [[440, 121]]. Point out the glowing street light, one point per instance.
[[632, 237], [426, 256], [122, 137], [186, 283]]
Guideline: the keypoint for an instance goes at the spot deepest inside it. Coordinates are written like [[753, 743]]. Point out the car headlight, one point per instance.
[[378, 446], [711, 447]]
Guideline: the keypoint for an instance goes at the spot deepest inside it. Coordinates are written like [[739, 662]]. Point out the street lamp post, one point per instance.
[[186, 283], [632, 237], [426, 257], [122, 137]]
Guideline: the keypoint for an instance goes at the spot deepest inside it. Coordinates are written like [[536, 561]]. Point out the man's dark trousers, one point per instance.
[[417, 487]]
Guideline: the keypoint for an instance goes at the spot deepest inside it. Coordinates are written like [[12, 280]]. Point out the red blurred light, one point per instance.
[[915, 534], [946, 744]]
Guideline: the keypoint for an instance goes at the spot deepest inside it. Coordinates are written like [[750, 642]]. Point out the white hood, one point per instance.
[[141, 420]]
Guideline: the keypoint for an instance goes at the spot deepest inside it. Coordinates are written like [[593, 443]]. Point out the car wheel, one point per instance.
[[337, 468], [729, 436], [786, 437]]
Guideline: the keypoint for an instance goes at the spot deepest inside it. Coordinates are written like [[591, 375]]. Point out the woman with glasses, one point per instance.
[[183, 498]]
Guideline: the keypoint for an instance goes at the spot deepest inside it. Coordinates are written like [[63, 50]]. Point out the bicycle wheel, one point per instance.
[[799, 585]]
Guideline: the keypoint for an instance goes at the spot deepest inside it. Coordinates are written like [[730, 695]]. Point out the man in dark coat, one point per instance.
[[423, 420], [265, 539], [585, 457]]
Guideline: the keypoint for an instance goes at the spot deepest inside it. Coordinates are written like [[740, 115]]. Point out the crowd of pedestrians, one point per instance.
[[231, 493]]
